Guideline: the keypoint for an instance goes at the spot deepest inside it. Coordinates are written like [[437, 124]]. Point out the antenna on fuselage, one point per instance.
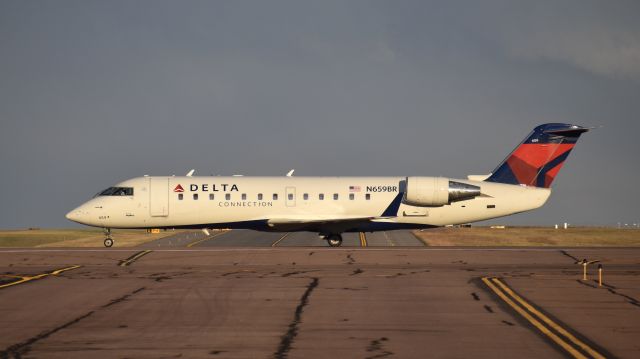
[[290, 173], [191, 173]]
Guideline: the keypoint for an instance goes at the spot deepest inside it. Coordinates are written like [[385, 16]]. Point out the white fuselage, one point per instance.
[[292, 203]]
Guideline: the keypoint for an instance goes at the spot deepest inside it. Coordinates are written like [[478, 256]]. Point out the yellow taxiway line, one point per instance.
[[551, 329], [134, 258], [363, 239], [24, 279], [206, 239], [278, 241]]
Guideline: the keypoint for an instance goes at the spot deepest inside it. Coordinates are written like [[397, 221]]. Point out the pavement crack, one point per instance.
[[289, 274], [350, 259], [377, 345], [133, 258], [123, 298], [230, 273], [631, 300], [18, 350], [576, 260], [356, 272], [287, 339]]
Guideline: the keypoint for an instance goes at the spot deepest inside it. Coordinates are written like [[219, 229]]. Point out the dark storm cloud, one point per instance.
[[96, 92]]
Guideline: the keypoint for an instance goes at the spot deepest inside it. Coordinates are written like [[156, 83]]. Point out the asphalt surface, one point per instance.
[[247, 238], [282, 302]]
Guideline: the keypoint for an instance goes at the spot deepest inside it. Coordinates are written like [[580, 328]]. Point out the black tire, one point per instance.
[[108, 242], [334, 240]]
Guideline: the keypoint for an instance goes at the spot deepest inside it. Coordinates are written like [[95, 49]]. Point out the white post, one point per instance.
[[566, 225]]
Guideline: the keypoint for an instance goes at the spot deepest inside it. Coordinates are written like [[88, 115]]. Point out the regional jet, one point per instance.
[[331, 206]]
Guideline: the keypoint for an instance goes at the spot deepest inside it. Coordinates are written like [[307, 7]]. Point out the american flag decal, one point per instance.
[[354, 188]]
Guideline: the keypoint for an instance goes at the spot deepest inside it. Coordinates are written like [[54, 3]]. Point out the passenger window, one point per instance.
[[195, 196], [227, 196], [244, 196], [321, 196], [259, 196], [180, 196], [305, 196], [275, 196], [211, 196], [290, 195], [367, 196], [352, 196], [335, 196]]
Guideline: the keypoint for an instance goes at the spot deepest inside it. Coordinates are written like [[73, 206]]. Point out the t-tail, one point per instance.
[[539, 158]]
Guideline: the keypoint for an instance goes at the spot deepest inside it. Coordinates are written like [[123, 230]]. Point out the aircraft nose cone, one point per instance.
[[73, 215], [78, 215]]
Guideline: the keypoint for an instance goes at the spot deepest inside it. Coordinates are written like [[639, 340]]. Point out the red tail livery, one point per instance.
[[539, 158]]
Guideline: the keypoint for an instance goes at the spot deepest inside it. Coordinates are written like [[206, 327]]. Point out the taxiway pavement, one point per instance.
[[314, 302], [247, 238]]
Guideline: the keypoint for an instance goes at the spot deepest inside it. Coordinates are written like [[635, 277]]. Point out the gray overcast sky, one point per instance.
[[95, 92]]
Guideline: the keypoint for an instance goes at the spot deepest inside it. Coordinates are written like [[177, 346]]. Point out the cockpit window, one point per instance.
[[117, 191]]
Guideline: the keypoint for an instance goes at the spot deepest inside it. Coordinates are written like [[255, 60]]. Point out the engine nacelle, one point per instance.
[[437, 191]]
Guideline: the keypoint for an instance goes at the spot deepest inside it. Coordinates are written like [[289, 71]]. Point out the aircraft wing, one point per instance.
[[332, 223], [314, 218], [314, 223]]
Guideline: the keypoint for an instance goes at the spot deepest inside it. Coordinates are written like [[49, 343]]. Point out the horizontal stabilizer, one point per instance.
[[478, 178]]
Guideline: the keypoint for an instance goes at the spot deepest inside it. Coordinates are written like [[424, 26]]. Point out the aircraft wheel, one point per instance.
[[334, 240], [108, 242]]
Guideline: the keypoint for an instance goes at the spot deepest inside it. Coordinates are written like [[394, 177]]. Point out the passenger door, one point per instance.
[[158, 196]]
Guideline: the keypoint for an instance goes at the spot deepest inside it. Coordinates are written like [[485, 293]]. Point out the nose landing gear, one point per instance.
[[108, 242]]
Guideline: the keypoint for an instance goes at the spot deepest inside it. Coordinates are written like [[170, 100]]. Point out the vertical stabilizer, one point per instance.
[[539, 158]]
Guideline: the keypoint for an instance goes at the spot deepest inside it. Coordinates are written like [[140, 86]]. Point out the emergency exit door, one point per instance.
[[290, 196], [158, 197]]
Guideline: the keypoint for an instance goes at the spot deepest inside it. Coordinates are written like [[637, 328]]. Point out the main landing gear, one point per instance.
[[334, 240], [108, 242]]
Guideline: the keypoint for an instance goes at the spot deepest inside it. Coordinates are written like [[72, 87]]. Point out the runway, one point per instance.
[[210, 301]]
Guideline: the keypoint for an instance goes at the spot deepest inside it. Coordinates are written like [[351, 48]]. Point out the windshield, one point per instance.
[[117, 191]]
